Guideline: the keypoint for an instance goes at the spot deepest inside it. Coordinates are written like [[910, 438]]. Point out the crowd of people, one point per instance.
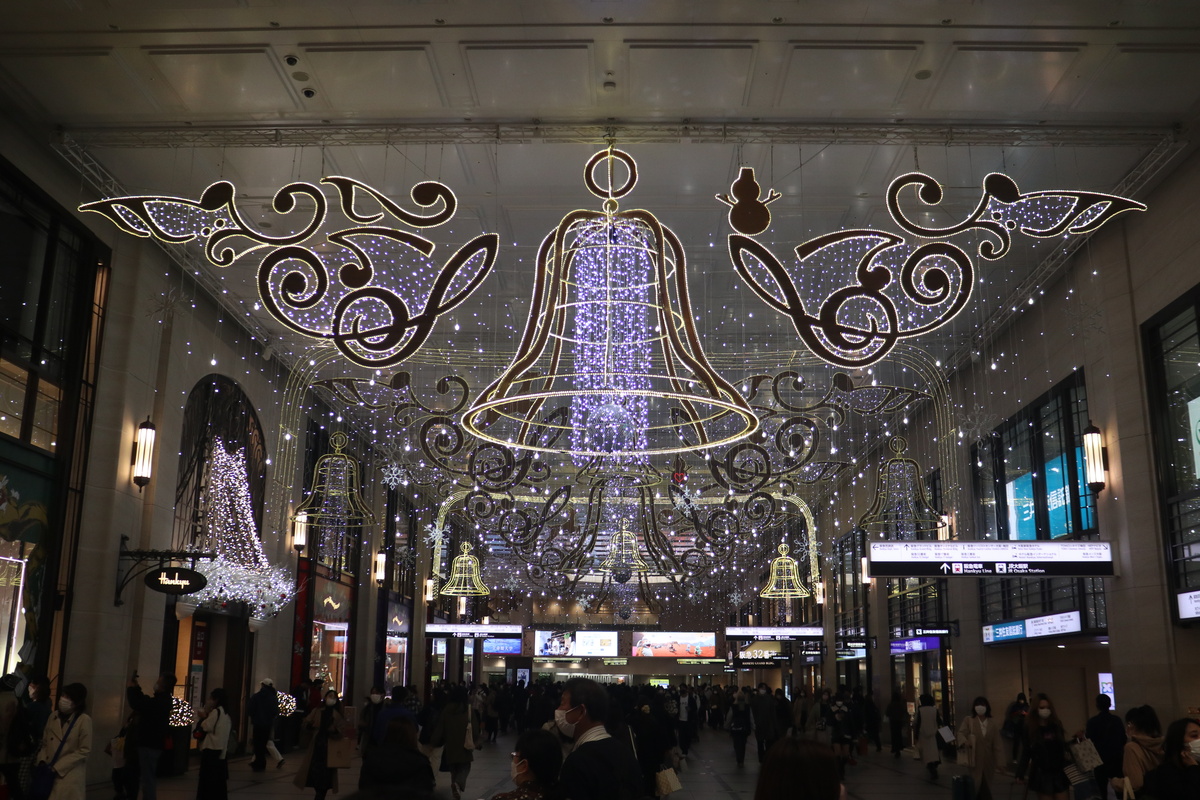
[[582, 740]]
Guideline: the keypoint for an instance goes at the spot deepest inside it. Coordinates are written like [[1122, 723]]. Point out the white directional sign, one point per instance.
[[775, 634], [434, 630], [953, 559]]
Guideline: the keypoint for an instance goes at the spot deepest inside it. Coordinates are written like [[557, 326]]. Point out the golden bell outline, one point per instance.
[[900, 509], [464, 576], [661, 399], [623, 557], [336, 499], [784, 583]]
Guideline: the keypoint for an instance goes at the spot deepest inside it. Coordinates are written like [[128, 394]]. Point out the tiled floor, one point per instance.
[[710, 774]]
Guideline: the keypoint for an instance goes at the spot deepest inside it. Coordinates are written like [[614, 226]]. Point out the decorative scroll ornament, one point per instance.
[[784, 583], [464, 576], [611, 334], [900, 509], [371, 289], [858, 324]]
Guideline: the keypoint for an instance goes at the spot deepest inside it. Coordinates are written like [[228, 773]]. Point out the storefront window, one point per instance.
[[330, 633], [1172, 340], [1029, 485]]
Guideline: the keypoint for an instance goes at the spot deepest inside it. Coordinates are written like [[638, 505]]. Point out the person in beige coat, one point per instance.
[[325, 756], [72, 728], [979, 739]]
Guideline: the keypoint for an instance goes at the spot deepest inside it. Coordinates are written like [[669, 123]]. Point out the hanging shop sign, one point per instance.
[[1033, 628], [434, 630], [915, 644], [775, 634], [175, 580], [976, 559]]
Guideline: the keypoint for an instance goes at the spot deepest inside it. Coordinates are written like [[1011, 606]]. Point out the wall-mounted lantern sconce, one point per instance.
[[462, 606], [866, 571], [143, 454], [380, 567], [819, 592], [1095, 457], [300, 533], [429, 590]]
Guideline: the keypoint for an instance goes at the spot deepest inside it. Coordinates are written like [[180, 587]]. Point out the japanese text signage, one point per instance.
[[976, 559], [1033, 628]]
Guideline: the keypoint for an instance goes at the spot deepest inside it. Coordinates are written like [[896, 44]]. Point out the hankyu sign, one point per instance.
[[775, 634], [434, 630], [1033, 628], [175, 580], [978, 559]]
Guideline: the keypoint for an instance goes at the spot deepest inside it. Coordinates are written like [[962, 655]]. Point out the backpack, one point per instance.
[[21, 740], [740, 721]]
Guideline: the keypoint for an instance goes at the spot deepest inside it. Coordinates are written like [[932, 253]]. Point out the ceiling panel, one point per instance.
[[375, 79], [668, 75], [218, 82], [532, 77], [79, 86], [842, 78], [1146, 79], [1001, 79]]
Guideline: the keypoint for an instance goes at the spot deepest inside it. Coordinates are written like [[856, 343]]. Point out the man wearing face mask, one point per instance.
[[599, 766], [263, 710]]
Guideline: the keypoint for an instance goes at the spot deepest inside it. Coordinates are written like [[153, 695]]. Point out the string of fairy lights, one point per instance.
[[482, 331]]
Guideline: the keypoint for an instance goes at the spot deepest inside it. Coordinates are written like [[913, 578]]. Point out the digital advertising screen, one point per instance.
[[575, 643], [674, 644], [502, 647]]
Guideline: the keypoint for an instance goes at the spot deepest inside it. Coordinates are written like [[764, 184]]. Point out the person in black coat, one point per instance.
[[154, 717], [1178, 776], [1107, 732], [263, 711], [601, 766], [396, 767]]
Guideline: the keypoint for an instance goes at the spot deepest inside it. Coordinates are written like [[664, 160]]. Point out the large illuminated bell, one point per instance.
[[610, 364], [623, 557], [335, 506], [464, 576], [784, 583], [900, 509]]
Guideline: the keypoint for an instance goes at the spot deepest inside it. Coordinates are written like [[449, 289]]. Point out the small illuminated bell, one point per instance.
[[900, 509], [464, 576], [785, 578], [623, 557]]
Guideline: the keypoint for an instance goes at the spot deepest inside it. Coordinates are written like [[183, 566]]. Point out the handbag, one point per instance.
[[1085, 755], [469, 738], [44, 775], [338, 753], [666, 781]]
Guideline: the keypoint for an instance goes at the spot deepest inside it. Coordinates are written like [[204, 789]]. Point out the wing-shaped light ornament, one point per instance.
[[373, 290], [859, 322]]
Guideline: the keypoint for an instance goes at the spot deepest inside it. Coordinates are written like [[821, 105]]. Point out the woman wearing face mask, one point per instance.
[[367, 717], [328, 723], [1044, 756], [214, 775], [66, 743], [534, 768], [1143, 751], [979, 736], [1179, 773], [451, 736]]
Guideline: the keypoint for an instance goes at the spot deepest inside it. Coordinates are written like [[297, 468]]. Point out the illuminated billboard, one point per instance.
[[575, 643], [674, 644]]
